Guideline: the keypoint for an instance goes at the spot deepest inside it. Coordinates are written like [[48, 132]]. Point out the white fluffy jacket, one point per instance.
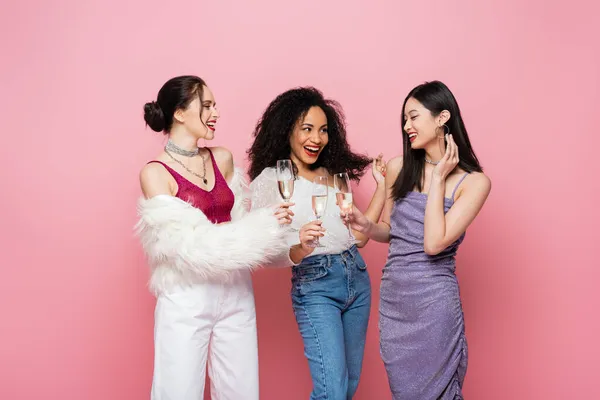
[[183, 247]]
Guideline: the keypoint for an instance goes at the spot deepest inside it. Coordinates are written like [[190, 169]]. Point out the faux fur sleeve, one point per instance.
[[178, 235], [264, 193], [241, 190]]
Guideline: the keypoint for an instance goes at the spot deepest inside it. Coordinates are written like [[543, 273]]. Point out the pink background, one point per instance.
[[76, 318]]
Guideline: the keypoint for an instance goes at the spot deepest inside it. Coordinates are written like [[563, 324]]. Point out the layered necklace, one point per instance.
[[171, 147]]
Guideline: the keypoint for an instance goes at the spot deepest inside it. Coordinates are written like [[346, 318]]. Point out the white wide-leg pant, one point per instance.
[[215, 322]]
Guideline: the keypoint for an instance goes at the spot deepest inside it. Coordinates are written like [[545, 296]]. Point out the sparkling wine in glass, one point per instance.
[[319, 200], [285, 179], [341, 182]]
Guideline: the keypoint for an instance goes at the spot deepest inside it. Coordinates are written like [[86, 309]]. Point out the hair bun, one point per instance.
[[154, 116]]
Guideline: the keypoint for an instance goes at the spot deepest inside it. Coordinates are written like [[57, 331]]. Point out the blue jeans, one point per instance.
[[331, 297]]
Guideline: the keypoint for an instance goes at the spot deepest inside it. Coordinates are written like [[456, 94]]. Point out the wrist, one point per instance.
[[368, 228], [297, 253], [437, 179], [301, 250]]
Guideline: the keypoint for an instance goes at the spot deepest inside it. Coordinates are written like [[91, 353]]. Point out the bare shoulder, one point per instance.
[[478, 182], [223, 156], [151, 172], [221, 153], [155, 179], [224, 160], [393, 167], [395, 163]]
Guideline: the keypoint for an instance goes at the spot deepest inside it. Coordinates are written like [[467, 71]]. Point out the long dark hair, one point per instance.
[[177, 93], [436, 97], [273, 130]]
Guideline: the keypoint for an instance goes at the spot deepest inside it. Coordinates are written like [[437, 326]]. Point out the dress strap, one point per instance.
[[462, 178], [169, 169], [218, 174]]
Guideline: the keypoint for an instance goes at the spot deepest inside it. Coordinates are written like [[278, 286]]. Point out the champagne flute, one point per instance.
[[285, 179], [341, 182], [319, 200]]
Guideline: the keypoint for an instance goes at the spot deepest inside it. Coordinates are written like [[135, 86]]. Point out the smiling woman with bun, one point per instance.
[[201, 246]]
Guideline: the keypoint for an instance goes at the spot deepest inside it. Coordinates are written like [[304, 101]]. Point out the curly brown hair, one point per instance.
[[274, 129]]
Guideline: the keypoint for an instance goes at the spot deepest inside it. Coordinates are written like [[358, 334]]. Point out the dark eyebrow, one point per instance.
[[308, 124]]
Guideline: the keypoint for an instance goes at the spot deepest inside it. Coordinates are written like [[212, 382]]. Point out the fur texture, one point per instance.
[[183, 247]]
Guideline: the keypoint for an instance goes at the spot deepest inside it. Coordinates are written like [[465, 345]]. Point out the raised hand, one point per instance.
[[449, 161], [378, 169]]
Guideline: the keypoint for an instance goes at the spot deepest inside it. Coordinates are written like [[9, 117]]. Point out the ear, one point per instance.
[[178, 116], [443, 117]]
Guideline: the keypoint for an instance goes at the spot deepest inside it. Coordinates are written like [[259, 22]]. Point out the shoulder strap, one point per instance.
[[462, 178], [170, 170]]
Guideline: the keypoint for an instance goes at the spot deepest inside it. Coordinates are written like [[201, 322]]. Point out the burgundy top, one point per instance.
[[216, 203]]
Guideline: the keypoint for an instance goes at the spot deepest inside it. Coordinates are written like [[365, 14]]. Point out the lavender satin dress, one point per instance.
[[422, 330]]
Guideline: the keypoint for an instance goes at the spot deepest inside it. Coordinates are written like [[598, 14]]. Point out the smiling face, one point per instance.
[[200, 121], [309, 137], [421, 126]]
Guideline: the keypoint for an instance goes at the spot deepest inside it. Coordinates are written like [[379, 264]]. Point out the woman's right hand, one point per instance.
[[308, 234]]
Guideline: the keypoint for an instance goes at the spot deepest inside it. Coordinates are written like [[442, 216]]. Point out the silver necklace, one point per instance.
[[172, 147], [431, 162], [203, 176]]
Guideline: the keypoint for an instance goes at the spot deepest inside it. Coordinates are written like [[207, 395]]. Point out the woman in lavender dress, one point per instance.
[[434, 193]]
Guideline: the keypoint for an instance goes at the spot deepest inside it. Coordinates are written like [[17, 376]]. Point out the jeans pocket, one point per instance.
[[360, 262], [310, 271]]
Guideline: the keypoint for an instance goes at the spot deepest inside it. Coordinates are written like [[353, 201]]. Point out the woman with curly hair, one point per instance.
[[331, 290]]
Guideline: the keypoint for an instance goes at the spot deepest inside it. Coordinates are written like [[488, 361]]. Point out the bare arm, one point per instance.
[[377, 203], [373, 213], [297, 253], [379, 231], [441, 229], [155, 180], [224, 160]]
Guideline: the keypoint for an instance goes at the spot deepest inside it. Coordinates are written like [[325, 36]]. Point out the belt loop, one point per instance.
[[352, 252]]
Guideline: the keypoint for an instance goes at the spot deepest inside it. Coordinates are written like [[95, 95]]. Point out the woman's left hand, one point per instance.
[[378, 169], [449, 161]]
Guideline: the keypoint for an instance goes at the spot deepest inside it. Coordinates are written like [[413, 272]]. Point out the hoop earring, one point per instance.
[[446, 131]]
